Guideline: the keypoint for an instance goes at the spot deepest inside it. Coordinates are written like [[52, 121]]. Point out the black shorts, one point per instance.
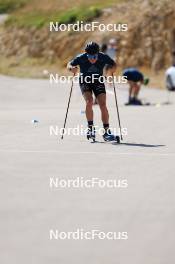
[[97, 88]]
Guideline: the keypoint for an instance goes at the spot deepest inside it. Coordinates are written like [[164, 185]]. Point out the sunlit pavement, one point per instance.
[[30, 156]]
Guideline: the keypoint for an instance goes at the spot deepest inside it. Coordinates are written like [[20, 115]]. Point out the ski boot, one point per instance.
[[91, 133], [134, 101]]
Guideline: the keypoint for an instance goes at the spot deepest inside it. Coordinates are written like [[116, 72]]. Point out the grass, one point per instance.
[[39, 20], [30, 20], [31, 13], [7, 6]]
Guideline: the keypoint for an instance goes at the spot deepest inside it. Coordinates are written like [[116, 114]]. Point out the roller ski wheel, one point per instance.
[[111, 138]]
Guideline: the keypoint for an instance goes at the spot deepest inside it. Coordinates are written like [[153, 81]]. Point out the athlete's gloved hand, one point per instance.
[[112, 69], [74, 70]]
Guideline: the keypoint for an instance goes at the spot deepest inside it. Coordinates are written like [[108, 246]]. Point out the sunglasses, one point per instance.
[[92, 57]]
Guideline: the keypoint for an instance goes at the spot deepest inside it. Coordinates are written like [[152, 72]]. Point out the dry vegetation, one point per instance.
[[27, 47]]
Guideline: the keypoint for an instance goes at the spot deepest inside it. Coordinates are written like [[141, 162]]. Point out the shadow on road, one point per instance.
[[142, 145], [139, 145]]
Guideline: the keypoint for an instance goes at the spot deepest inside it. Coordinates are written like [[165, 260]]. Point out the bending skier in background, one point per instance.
[[135, 79]]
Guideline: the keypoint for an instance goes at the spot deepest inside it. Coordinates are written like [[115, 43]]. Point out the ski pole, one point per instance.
[[68, 106], [116, 102]]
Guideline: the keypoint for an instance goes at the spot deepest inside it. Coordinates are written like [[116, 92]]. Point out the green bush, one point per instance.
[[77, 14], [89, 14], [68, 17]]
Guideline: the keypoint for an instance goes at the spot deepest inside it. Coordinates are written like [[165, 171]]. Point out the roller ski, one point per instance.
[[91, 134], [108, 137]]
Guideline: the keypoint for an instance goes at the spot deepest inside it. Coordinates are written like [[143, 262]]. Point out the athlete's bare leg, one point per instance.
[[101, 98], [89, 104]]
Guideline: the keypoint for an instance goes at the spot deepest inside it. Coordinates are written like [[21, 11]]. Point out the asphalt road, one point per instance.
[[30, 156]]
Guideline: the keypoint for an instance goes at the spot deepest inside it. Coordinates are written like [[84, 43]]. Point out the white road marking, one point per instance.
[[88, 152]]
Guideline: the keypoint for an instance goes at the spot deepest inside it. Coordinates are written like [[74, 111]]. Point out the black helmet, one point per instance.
[[92, 48]]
